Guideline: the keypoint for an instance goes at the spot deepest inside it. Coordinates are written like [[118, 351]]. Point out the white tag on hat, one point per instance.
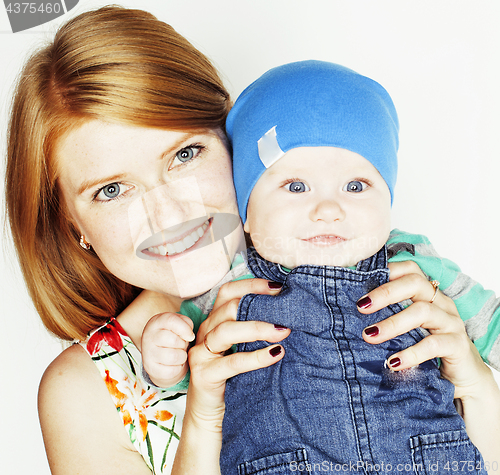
[[269, 149]]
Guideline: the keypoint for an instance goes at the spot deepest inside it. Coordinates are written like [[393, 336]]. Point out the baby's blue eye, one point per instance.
[[297, 187], [355, 186], [111, 191], [185, 154]]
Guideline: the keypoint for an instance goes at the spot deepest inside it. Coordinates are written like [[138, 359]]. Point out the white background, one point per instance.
[[439, 60]]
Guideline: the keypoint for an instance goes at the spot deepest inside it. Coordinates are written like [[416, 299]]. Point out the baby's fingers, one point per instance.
[[171, 357], [175, 330]]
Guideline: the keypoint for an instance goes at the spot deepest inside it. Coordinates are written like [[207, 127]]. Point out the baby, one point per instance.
[[315, 164]]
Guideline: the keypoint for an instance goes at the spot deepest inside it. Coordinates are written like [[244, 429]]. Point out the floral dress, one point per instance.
[[151, 416]]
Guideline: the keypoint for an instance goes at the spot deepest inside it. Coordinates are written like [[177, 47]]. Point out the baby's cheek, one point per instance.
[[279, 250], [258, 242]]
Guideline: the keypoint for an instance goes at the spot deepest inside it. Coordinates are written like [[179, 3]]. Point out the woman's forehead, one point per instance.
[[102, 145]]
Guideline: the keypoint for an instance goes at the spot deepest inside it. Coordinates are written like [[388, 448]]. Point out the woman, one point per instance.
[[122, 110]]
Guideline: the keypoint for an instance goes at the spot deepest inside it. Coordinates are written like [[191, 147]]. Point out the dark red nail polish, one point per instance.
[[275, 351], [274, 285], [372, 331], [394, 362], [280, 327], [365, 302]]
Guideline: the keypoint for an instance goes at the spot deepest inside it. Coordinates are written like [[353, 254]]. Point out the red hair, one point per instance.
[[113, 64]]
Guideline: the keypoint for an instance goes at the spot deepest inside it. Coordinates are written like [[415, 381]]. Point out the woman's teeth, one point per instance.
[[177, 247]]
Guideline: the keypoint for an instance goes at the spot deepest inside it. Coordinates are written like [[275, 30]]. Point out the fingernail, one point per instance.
[[275, 351], [371, 331], [274, 285], [280, 327], [365, 302], [394, 362]]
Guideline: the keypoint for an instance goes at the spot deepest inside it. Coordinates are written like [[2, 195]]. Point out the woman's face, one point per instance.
[[158, 206]]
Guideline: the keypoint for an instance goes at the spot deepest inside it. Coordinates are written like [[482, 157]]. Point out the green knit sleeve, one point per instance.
[[478, 308]]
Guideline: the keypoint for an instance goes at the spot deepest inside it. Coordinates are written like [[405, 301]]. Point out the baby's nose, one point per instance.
[[327, 210]]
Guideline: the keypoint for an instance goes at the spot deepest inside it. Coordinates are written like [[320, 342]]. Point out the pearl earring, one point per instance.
[[84, 243]]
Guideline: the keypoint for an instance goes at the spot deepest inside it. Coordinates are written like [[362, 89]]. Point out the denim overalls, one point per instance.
[[331, 405]]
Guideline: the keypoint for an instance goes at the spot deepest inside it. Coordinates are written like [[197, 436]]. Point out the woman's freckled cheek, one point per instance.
[[108, 230], [217, 188]]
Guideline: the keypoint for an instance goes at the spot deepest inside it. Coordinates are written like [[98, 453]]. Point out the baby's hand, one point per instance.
[[165, 341]]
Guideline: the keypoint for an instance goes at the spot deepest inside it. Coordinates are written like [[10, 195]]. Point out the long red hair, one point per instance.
[[114, 64]]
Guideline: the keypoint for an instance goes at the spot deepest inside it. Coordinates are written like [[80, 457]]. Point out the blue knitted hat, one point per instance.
[[310, 104]]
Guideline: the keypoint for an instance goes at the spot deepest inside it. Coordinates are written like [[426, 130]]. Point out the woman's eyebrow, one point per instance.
[[98, 181], [92, 183]]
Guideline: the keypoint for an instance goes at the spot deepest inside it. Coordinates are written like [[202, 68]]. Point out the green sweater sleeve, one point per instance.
[[478, 308]]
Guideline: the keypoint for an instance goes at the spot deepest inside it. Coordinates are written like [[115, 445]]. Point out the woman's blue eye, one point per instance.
[[297, 187], [355, 186], [111, 191], [185, 154]]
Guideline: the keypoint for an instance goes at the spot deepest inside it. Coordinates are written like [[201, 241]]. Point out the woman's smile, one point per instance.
[[175, 246]]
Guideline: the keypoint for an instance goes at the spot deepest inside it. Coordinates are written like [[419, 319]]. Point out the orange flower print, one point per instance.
[[112, 384], [135, 403], [163, 416], [127, 419], [143, 422]]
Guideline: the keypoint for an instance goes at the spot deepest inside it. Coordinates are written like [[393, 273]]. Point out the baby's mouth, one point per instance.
[[325, 240], [171, 248]]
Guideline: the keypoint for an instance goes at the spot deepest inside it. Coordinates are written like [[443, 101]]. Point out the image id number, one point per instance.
[[33, 8]]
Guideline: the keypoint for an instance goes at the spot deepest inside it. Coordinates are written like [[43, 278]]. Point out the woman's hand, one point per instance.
[[218, 333], [460, 360], [201, 439], [461, 363]]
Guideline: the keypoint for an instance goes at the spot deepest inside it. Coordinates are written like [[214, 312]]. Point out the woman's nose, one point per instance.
[[162, 208], [327, 210], [168, 206]]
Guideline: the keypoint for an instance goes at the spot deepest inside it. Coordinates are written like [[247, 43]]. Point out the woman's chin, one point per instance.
[[200, 270]]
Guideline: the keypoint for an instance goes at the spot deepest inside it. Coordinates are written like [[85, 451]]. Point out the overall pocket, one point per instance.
[[446, 453], [277, 464]]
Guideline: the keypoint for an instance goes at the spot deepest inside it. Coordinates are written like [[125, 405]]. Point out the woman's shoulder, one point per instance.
[[73, 365], [80, 425], [72, 389]]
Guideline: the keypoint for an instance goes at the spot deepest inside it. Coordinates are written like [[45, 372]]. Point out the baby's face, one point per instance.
[[319, 206]]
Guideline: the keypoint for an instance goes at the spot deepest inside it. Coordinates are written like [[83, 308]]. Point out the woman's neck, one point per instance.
[[146, 305]]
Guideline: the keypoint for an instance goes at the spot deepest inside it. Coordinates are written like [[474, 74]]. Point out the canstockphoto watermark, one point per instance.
[[26, 15], [461, 466], [331, 467]]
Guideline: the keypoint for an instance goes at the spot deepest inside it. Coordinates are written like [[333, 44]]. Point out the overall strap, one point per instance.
[[377, 261], [264, 269]]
